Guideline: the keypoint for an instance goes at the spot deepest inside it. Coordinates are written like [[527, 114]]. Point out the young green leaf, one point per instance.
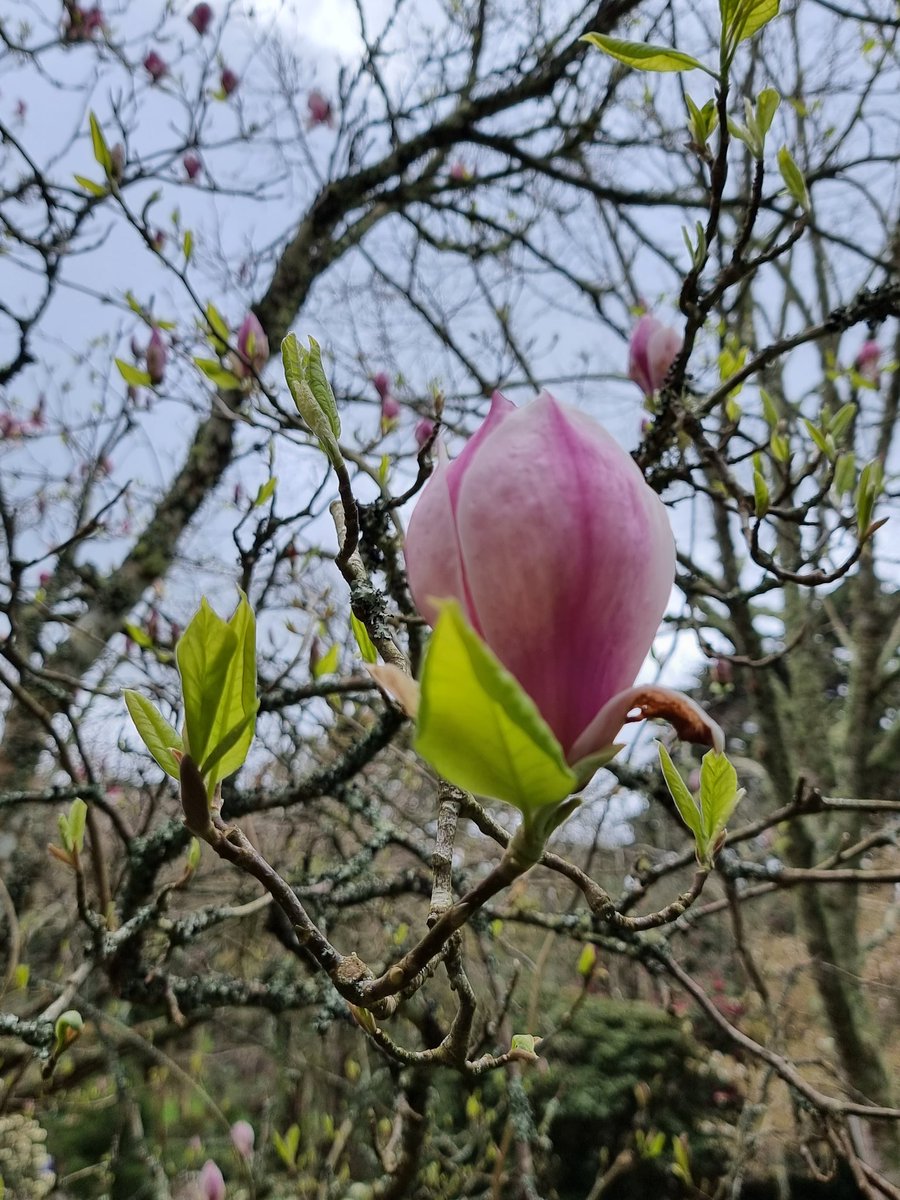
[[219, 329], [265, 491], [719, 794], [101, 150], [204, 655], [235, 723], [644, 57], [678, 790], [479, 729], [217, 374], [77, 820], [156, 733], [327, 664], [760, 488], [312, 393], [96, 189], [363, 641], [133, 375], [841, 420], [793, 178], [767, 103], [845, 473], [742, 18], [817, 436]]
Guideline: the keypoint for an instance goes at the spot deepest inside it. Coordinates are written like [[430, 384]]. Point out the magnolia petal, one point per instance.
[[397, 685], [686, 717]]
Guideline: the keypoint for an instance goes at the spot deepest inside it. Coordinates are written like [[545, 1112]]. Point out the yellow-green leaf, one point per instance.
[[156, 733], [644, 57]]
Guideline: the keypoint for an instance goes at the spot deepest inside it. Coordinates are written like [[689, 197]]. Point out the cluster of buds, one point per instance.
[[83, 23], [390, 406]]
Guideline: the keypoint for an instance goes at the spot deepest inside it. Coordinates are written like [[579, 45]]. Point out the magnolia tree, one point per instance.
[[325, 711]]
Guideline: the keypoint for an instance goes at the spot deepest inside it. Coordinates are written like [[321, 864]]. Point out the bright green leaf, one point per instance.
[[235, 722], [204, 655], [477, 726], [156, 732], [719, 794], [644, 57], [217, 374], [363, 641], [845, 473], [133, 375], [678, 790], [265, 491], [793, 178], [96, 189], [767, 103], [841, 420], [77, 820], [187, 245], [101, 150], [328, 663], [742, 18], [817, 436]]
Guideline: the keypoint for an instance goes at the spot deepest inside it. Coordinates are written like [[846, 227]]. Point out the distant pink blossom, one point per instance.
[[651, 352], [192, 165], [390, 409], [424, 430], [83, 23], [155, 66], [320, 110], [243, 1138], [229, 80], [200, 17], [21, 110], [868, 361], [460, 173], [382, 383]]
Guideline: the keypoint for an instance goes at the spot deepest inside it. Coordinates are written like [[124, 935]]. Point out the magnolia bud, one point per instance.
[[200, 17], [155, 66], [156, 356]]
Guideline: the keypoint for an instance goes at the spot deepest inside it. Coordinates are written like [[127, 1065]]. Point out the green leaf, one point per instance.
[[479, 729], [845, 473], [767, 103], [133, 375], [678, 790], [328, 663], [312, 393], [139, 636], [77, 820], [187, 245], [265, 491], [793, 178], [101, 150], [156, 732], [770, 412], [363, 641], [587, 960], [235, 721], [742, 18], [841, 420], [867, 491], [760, 488], [817, 436], [221, 332], [780, 447], [96, 189], [217, 374], [644, 57], [719, 794], [204, 655]]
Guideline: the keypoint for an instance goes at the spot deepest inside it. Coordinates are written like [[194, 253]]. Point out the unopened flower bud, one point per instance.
[[192, 165], [212, 1181], [155, 66], [424, 431], [117, 162], [390, 408], [868, 360], [653, 349], [156, 357], [200, 17], [229, 80], [242, 1138], [320, 110], [252, 344]]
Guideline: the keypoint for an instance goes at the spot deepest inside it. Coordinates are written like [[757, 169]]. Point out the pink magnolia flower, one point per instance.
[[192, 165], [200, 17], [211, 1182], [424, 430], [460, 173], [390, 409], [155, 66], [253, 345], [651, 352], [156, 356], [229, 80], [382, 383], [868, 361], [562, 560], [242, 1138], [320, 110]]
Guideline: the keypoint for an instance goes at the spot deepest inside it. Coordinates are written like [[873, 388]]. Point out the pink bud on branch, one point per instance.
[[253, 346], [651, 352], [200, 17], [156, 357], [211, 1182], [155, 66], [562, 560], [868, 361], [320, 110]]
